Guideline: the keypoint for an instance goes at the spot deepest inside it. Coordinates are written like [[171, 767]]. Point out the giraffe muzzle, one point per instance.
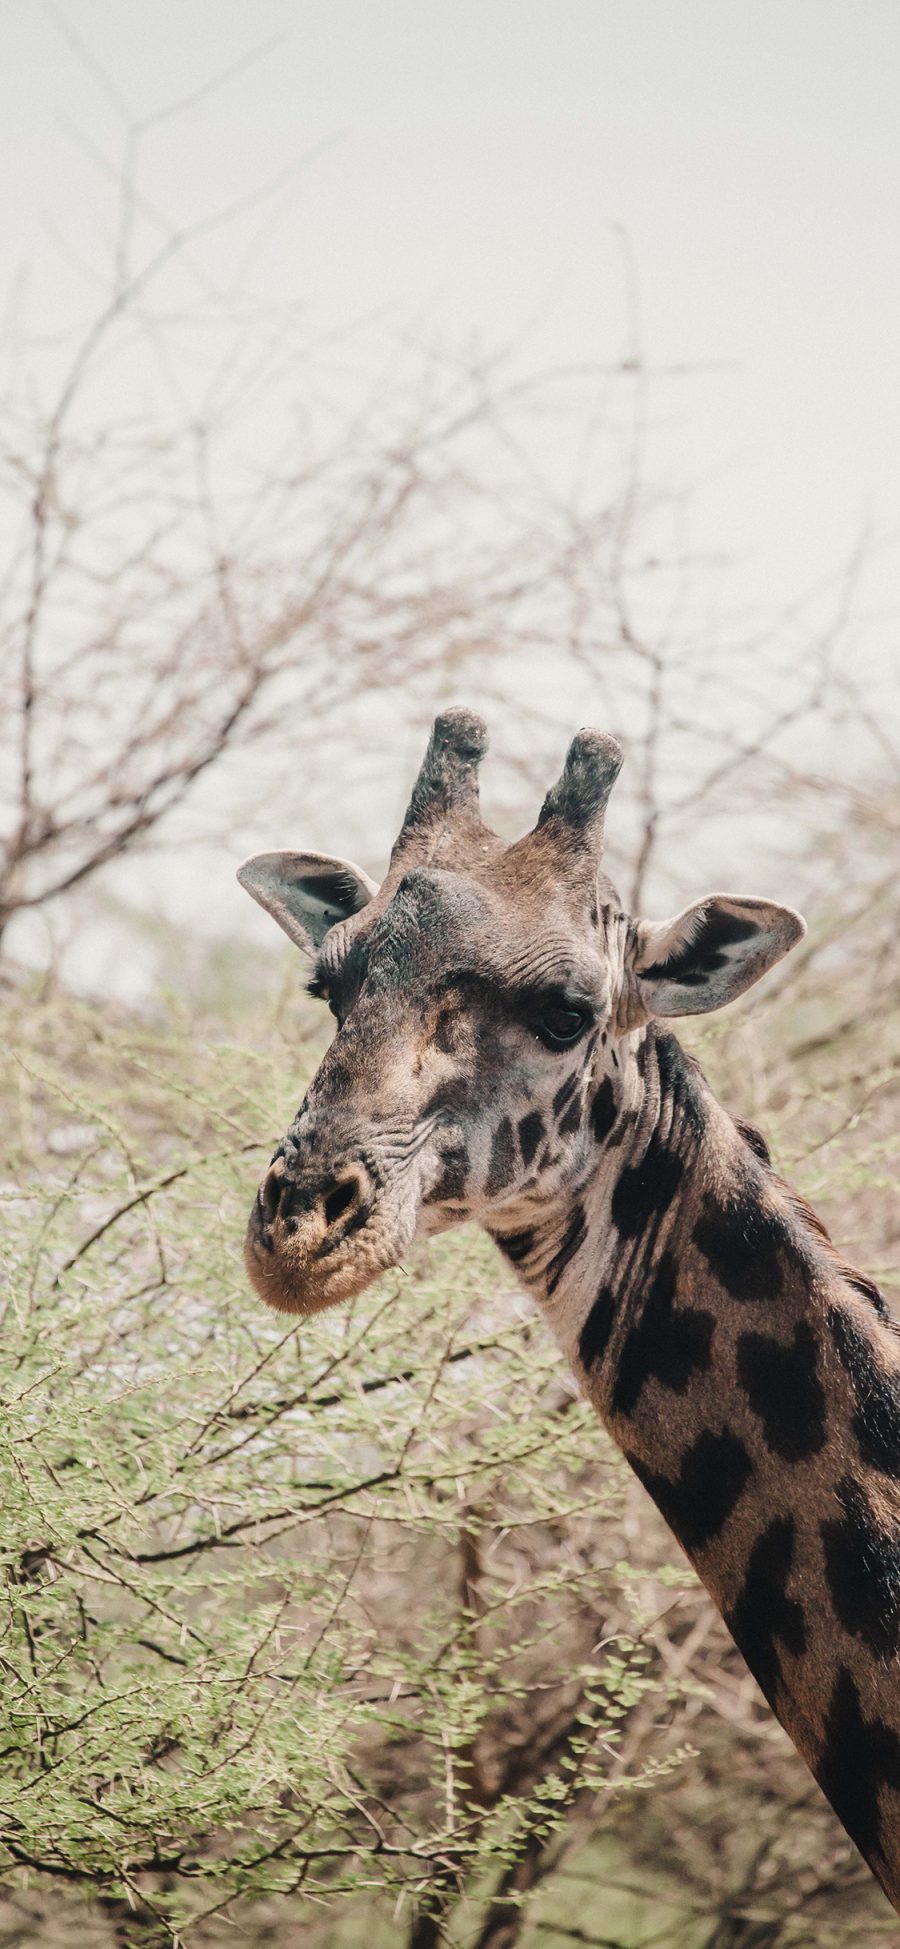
[[319, 1237]]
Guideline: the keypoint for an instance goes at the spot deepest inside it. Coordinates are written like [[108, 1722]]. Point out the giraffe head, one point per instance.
[[491, 1001]]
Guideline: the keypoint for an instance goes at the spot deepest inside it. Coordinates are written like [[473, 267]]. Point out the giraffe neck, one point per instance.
[[753, 1383]]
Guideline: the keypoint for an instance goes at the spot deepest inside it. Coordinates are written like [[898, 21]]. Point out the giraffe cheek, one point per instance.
[[451, 1171], [503, 1161]]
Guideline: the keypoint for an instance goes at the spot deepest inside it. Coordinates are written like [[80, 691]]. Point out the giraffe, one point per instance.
[[503, 1054]]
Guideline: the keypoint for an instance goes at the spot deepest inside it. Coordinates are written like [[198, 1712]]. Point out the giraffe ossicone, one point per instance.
[[503, 1054]]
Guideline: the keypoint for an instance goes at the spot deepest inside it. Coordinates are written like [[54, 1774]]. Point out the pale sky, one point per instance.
[[480, 159], [481, 152]]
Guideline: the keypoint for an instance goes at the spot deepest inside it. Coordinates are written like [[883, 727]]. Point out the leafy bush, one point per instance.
[[331, 1606], [359, 1624]]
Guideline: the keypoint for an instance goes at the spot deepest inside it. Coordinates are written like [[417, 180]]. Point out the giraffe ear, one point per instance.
[[306, 892], [711, 952]]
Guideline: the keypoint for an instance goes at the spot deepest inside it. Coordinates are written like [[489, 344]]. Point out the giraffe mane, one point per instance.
[[804, 1212]]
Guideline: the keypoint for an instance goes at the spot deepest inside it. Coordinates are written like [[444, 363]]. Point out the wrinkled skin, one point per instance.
[[437, 1006], [490, 1001]]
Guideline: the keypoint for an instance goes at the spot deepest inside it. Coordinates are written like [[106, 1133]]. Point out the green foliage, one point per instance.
[[335, 1624], [327, 1606]]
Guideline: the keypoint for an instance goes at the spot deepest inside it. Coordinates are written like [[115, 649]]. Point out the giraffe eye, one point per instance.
[[560, 1024]]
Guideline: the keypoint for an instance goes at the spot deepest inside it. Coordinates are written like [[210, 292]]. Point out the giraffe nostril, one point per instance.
[[271, 1188], [340, 1199]]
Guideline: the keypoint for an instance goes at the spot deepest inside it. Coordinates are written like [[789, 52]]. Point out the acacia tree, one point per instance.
[[161, 610], [354, 1625], [203, 556], [167, 602], [210, 1692], [199, 552]]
